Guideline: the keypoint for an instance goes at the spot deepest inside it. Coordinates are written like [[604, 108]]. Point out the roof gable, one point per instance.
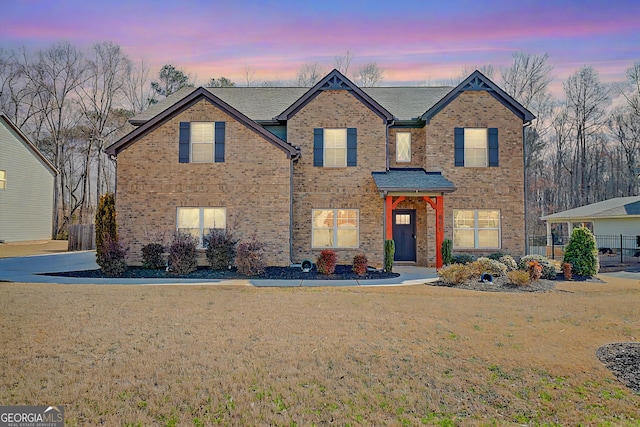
[[616, 207], [30, 146], [186, 102], [335, 80], [479, 82]]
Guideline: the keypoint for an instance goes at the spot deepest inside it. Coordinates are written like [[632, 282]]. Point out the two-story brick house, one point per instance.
[[335, 166]]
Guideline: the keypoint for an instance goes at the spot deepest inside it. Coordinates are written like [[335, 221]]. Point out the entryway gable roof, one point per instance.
[[412, 180], [478, 81], [184, 103], [335, 80]]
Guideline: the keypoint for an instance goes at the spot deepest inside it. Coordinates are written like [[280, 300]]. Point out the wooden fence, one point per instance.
[[82, 237]]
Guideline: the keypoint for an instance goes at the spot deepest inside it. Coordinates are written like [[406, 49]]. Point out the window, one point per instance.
[[200, 221], [3, 180], [335, 148], [335, 228], [202, 142], [476, 147], [476, 229], [403, 147]]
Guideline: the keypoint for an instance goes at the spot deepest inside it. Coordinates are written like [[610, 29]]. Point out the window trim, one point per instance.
[[335, 229], [3, 180], [191, 142], [201, 219], [324, 147], [476, 240], [397, 145], [485, 149]]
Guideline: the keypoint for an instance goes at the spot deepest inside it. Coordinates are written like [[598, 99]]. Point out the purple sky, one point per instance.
[[415, 42]]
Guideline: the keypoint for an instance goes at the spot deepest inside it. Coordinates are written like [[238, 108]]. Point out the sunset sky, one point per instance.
[[415, 42]]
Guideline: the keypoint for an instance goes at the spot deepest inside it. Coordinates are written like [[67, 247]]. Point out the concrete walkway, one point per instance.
[[28, 269]]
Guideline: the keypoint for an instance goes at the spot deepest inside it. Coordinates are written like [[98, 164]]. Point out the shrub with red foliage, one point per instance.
[[326, 262]]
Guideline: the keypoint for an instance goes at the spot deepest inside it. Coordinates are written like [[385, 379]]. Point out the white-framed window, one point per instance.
[[335, 148], [475, 147], [476, 229], [3, 180], [403, 147], [202, 142], [335, 228], [200, 221]]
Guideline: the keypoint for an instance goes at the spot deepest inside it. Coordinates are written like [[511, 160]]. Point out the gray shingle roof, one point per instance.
[[407, 102], [412, 179], [617, 207], [259, 103]]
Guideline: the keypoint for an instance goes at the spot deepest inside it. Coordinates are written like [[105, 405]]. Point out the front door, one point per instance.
[[404, 234]]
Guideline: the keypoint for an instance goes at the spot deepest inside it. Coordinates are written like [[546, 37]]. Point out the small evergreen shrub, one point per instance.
[[548, 270], [447, 248], [152, 256], [497, 255], [250, 257], [511, 263], [518, 277], [111, 257], [491, 266], [456, 274], [182, 254], [360, 264], [535, 271], [220, 249], [389, 253], [462, 259], [566, 270], [105, 221], [582, 252], [326, 262]]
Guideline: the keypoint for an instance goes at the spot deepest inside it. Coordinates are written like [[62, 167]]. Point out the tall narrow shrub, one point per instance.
[[105, 221], [389, 252], [447, 251], [582, 252]]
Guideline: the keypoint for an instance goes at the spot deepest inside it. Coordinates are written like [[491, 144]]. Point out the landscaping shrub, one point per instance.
[[182, 254], [389, 253], [456, 274], [326, 262], [220, 249], [491, 266], [582, 252], [462, 259], [509, 262], [447, 255], [249, 257], [518, 277], [111, 256], [105, 221], [535, 271], [566, 270], [548, 270], [152, 256], [497, 255], [360, 264]]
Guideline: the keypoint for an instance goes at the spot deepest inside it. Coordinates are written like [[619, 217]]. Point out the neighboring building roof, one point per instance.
[[193, 97], [618, 207], [478, 81], [28, 143], [412, 180]]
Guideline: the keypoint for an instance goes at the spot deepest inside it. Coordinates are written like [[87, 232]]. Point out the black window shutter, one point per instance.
[[219, 142], [459, 146], [493, 146], [352, 147], [183, 142], [318, 147]]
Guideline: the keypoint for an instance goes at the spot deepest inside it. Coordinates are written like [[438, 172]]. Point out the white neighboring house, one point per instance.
[[26, 187]]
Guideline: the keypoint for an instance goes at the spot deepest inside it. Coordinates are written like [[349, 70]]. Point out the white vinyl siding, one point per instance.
[[335, 228], [3, 180], [476, 229]]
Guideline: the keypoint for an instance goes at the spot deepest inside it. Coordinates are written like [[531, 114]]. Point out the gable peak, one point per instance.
[[335, 81]]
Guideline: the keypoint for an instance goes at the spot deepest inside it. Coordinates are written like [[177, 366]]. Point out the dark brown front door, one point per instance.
[[404, 234]]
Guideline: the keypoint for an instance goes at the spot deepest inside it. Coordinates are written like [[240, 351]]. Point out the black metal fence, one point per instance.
[[612, 249]]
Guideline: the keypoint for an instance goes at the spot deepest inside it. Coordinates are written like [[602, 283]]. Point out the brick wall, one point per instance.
[[253, 184]]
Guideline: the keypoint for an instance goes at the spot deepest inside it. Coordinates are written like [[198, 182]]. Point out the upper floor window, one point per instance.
[[3, 180], [476, 229], [200, 221], [476, 147], [403, 147], [201, 142], [335, 228], [335, 148]]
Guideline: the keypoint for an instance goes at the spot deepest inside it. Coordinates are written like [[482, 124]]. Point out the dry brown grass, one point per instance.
[[14, 249], [203, 355]]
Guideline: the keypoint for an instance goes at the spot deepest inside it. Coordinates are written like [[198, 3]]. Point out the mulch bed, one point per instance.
[[623, 359], [342, 272], [501, 284]]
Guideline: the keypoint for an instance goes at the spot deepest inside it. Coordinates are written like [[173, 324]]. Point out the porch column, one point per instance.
[[388, 219], [438, 206]]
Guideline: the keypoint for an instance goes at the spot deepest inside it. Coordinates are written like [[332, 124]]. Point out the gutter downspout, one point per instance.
[[526, 189], [293, 159]]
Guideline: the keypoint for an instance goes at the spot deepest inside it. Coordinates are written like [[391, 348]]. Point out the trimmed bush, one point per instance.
[[548, 270], [389, 253], [447, 248], [497, 255], [326, 262], [535, 271], [152, 256], [582, 252], [111, 256], [105, 221], [518, 277], [491, 266], [462, 259], [182, 254], [360, 264], [249, 257], [511, 263], [220, 249], [456, 274], [566, 270]]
